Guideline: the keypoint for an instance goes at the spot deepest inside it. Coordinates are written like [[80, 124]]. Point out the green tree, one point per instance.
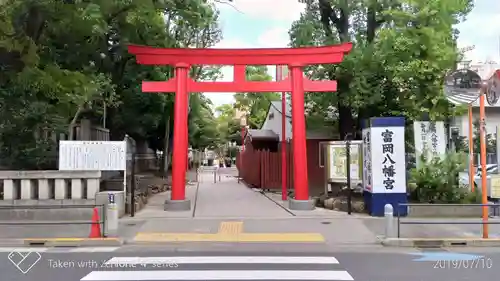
[[256, 104], [64, 60], [39, 96], [228, 126], [203, 125], [402, 52]]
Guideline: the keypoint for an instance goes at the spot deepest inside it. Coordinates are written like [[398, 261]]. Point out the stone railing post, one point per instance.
[[92, 187], [76, 189], [8, 189]]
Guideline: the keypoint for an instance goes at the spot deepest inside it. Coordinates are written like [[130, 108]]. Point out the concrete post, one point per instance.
[[92, 188], [26, 189], [389, 220], [60, 189], [76, 189], [8, 190], [43, 189], [111, 222]]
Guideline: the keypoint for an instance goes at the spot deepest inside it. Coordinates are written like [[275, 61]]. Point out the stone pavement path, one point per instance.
[[226, 198]]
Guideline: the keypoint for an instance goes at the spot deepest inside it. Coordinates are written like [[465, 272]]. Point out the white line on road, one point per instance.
[[222, 260], [341, 275], [22, 249], [60, 250], [94, 249]]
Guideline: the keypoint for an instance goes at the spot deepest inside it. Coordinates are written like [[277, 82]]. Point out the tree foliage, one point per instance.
[[62, 60], [203, 131], [255, 105], [437, 181], [402, 51], [228, 126]]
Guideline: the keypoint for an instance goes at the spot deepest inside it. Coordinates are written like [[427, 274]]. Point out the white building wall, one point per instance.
[[273, 122], [492, 121]]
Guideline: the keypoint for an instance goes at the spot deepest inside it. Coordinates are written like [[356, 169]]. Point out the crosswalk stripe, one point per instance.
[[22, 249], [341, 275], [222, 260], [94, 249], [59, 250]]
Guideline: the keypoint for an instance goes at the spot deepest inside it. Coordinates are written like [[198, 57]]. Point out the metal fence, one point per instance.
[[492, 208]]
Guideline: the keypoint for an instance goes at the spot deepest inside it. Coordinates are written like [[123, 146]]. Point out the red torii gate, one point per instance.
[[182, 84]]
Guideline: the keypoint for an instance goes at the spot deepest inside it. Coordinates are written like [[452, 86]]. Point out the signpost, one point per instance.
[[495, 186], [384, 172], [344, 162], [430, 139], [94, 156], [336, 161]]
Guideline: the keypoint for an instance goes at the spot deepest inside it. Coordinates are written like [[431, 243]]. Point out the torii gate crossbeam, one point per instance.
[[181, 84]]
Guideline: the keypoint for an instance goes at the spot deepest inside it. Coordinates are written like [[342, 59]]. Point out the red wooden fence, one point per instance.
[[262, 168]]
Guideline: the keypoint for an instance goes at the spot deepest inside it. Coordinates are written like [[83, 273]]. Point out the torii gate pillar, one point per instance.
[[297, 84]]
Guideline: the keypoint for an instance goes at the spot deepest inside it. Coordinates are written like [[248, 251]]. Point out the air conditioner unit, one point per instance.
[[454, 132]]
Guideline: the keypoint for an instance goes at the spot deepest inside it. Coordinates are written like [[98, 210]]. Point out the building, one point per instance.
[[262, 153]]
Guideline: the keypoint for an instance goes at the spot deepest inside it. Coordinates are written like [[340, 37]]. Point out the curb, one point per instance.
[[61, 242], [440, 242]]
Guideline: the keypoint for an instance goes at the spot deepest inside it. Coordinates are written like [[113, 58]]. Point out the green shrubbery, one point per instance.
[[437, 181]]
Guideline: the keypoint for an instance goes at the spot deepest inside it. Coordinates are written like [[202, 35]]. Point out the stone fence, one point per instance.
[[65, 195], [46, 185]]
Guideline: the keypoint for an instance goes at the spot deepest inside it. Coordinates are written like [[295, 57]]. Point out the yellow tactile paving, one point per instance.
[[218, 237], [231, 227], [229, 232]]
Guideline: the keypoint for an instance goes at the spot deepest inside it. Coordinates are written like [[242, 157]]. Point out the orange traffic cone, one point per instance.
[[95, 227]]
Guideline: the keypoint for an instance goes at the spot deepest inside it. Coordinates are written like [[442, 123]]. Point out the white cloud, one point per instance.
[[274, 10], [482, 30], [482, 25], [274, 38], [233, 44]]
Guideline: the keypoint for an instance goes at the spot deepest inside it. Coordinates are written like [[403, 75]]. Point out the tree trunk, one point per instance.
[[71, 127], [165, 162], [346, 121]]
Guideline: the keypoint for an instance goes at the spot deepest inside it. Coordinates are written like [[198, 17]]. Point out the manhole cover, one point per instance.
[[325, 222]]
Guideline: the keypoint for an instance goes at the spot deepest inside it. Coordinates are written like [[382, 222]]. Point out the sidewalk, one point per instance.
[[230, 212], [433, 230], [229, 199]]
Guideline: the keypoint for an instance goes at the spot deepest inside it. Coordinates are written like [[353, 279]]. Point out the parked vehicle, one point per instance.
[[490, 169]]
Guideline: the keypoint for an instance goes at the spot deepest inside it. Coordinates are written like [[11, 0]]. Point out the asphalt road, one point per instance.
[[164, 265]]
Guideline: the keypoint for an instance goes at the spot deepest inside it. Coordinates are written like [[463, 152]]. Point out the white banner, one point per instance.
[[388, 161], [367, 160], [92, 155]]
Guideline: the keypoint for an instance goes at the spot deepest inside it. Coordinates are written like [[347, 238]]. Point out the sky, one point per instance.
[[265, 24]]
